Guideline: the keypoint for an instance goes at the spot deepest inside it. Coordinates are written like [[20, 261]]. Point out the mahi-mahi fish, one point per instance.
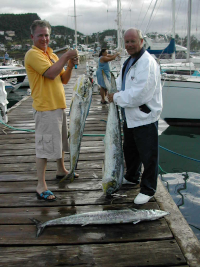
[[103, 217], [79, 109], [113, 167]]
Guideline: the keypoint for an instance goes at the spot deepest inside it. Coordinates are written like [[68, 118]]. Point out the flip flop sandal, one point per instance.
[[44, 195]]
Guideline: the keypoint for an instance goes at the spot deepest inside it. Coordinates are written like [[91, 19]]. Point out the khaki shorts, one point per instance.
[[51, 137]]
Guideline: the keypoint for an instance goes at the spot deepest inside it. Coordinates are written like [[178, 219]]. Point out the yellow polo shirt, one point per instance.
[[47, 94]]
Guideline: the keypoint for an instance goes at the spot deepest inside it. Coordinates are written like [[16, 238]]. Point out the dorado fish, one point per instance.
[[79, 109], [113, 167], [103, 217]]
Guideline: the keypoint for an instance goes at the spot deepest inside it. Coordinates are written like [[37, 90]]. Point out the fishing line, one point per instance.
[[116, 196]]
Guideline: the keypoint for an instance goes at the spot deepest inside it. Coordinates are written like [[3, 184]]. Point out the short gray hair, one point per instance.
[[40, 23], [139, 32]]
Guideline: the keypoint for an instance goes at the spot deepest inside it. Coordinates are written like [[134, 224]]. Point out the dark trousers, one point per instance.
[[141, 147]]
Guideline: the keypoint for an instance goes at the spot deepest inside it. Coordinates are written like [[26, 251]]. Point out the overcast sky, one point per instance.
[[98, 15]]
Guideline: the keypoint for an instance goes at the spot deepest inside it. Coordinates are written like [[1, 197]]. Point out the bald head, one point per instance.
[[134, 31], [133, 41]]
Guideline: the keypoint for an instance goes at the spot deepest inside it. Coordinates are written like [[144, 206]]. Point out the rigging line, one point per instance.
[[146, 13], [177, 14], [154, 15], [151, 16], [137, 21], [125, 16]]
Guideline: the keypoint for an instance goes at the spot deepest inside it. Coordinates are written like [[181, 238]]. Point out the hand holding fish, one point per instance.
[[73, 58], [110, 97]]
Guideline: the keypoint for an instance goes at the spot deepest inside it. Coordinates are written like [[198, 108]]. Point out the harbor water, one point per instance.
[[180, 169], [179, 164]]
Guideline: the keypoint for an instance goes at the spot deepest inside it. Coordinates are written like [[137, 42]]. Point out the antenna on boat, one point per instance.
[[173, 27], [75, 27], [75, 24]]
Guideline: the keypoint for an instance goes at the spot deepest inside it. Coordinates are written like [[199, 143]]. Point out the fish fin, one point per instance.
[[39, 226], [135, 222]]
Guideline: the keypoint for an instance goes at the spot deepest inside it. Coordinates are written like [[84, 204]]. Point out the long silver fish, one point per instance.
[[79, 109], [103, 217], [113, 167]]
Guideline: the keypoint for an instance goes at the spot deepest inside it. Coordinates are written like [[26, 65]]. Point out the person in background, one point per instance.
[[46, 76], [140, 96], [104, 58]]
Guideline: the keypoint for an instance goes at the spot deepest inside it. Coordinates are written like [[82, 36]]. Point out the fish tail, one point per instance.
[[69, 176], [39, 226]]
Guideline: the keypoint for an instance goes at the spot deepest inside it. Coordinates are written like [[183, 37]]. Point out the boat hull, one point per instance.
[[181, 101]]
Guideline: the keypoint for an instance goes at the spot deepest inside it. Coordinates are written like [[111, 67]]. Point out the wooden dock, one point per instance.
[[165, 242]]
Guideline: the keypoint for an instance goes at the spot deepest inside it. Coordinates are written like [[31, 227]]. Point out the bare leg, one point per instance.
[[103, 94], [41, 169], [61, 170]]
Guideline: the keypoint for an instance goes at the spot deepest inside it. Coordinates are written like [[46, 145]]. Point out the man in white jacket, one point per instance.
[[140, 96]]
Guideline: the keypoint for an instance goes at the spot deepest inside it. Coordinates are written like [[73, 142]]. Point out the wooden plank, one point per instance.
[[67, 199], [29, 186], [85, 145], [77, 185], [17, 234], [26, 167], [105, 255], [31, 158], [50, 175], [8, 157], [21, 139]]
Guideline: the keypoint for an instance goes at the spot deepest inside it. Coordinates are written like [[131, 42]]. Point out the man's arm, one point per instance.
[[57, 67], [68, 73], [141, 89]]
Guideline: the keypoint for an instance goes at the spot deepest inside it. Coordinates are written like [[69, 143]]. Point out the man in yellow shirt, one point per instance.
[[46, 76]]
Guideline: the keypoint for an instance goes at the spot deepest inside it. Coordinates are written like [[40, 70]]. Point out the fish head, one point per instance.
[[110, 187], [156, 214]]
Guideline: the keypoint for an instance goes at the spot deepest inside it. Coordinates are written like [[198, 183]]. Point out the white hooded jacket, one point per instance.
[[142, 86]]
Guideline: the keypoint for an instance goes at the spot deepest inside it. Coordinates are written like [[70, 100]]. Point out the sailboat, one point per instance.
[[181, 94]]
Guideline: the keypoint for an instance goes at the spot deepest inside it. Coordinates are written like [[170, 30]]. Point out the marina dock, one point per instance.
[[165, 242]]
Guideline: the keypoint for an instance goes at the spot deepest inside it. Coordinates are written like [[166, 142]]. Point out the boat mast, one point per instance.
[[75, 24], [119, 27], [173, 26], [189, 29]]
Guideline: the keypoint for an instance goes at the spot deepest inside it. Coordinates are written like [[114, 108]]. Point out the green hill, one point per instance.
[[20, 24]]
